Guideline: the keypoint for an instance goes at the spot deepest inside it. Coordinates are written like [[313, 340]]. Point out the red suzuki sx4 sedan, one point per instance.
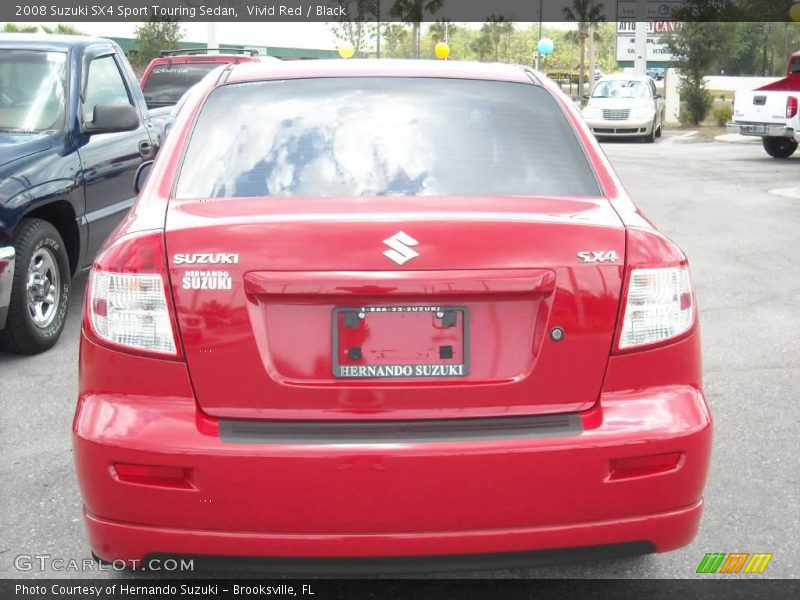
[[395, 310]]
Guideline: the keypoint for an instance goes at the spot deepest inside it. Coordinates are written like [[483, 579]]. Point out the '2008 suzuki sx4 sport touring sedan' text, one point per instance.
[[387, 309]]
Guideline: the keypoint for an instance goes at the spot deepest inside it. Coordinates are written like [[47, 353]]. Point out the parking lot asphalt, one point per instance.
[[736, 214]]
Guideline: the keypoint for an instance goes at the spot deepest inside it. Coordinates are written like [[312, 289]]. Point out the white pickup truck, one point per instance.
[[771, 112]]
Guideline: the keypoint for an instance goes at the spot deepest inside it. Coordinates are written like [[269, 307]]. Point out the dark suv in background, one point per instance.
[[74, 129]]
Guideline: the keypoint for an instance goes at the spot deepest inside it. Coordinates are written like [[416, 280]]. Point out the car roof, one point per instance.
[[47, 42], [254, 71], [206, 58]]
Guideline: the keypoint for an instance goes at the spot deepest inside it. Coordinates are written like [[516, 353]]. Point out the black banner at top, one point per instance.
[[67, 11]]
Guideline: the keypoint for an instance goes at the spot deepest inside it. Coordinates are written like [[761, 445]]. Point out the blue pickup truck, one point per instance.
[[74, 129]]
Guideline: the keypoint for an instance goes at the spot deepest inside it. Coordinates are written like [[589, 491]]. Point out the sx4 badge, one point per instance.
[[598, 256]]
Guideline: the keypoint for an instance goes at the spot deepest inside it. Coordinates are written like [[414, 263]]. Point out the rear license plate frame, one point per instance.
[[753, 129], [406, 370]]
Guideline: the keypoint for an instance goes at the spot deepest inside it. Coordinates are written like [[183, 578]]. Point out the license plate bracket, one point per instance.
[[754, 129], [400, 342]]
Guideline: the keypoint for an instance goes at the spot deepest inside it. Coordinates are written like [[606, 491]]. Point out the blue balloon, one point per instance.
[[545, 46]]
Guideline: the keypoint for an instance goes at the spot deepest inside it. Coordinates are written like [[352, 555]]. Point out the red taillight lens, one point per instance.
[[153, 475], [639, 466], [791, 107], [128, 303]]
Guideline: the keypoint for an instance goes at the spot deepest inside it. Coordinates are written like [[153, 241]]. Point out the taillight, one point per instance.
[[791, 107], [659, 302], [128, 303], [658, 307]]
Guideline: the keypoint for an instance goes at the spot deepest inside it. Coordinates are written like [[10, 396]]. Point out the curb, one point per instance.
[[735, 138]]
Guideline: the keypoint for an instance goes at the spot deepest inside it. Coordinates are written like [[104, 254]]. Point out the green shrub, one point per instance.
[[683, 115], [697, 103], [722, 115]]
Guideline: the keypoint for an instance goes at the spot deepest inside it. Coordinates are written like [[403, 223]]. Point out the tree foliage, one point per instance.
[[695, 48], [62, 29], [357, 25], [587, 14], [412, 12], [496, 29], [154, 36], [14, 28], [396, 39], [441, 29]]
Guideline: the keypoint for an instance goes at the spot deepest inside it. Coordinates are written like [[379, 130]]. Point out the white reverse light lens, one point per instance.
[[659, 306], [131, 310]]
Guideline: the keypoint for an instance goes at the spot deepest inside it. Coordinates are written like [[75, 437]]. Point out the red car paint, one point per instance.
[[158, 474]]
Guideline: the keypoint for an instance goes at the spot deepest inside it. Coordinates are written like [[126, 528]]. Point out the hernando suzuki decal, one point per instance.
[[211, 279], [206, 280]]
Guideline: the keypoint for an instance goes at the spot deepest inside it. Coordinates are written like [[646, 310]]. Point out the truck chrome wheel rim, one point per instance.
[[43, 288]]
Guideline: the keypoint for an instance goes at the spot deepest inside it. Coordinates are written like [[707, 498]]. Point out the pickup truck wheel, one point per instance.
[[40, 291], [779, 147]]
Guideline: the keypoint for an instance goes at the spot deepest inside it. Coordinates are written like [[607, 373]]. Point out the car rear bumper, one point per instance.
[[762, 130], [380, 498], [7, 260], [673, 529]]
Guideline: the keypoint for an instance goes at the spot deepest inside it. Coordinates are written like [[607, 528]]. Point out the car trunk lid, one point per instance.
[[301, 310]]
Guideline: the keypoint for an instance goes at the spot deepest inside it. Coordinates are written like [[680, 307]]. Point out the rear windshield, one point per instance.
[[383, 136], [167, 83]]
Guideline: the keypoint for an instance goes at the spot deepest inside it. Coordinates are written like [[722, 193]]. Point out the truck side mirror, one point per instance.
[[112, 118], [141, 176], [657, 96]]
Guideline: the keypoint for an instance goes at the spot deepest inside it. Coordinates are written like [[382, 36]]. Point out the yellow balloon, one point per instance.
[[346, 50], [442, 50], [794, 12]]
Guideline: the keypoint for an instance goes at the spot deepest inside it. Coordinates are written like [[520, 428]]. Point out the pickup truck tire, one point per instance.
[[40, 291], [779, 147]]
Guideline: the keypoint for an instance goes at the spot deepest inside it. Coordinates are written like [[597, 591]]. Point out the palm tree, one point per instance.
[[481, 46], [356, 26], [441, 29], [587, 14], [413, 13], [495, 28], [14, 28], [63, 29], [395, 36]]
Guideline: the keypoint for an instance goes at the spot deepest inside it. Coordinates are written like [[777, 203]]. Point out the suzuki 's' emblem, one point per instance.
[[400, 251]]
